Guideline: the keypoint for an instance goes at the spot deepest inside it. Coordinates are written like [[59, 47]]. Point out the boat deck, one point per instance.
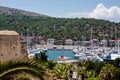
[[67, 61]]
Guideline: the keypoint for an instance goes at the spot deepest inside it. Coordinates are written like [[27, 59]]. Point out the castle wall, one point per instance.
[[10, 47]]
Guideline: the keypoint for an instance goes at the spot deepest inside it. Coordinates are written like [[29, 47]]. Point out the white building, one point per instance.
[[69, 42], [50, 41]]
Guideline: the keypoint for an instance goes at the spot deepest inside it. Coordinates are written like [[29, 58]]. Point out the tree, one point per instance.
[[61, 72], [50, 64], [23, 78], [98, 66], [58, 28], [8, 70], [89, 65], [107, 72], [91, 73], [82, 72], [116, 74], [95, 78], [43, 56], [117, 62]]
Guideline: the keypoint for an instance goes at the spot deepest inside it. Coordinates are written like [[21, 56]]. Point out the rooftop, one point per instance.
[[7, 32]]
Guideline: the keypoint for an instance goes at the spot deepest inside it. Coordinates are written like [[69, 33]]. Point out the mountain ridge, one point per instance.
[[10, 11]]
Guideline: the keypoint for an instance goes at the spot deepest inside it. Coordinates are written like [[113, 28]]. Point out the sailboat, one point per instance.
[[116, 54], [116, 51]]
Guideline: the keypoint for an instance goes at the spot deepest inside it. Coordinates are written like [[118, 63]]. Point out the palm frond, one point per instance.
[[15, 67]]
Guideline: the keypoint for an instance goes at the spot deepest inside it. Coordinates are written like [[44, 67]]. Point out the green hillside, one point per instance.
[[58, 28]]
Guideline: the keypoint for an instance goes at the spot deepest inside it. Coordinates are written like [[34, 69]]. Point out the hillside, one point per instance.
[[58, 28], [11, 11]]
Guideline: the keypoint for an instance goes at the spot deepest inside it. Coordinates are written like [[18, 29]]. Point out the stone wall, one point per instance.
[[10, 46], [24, 49]]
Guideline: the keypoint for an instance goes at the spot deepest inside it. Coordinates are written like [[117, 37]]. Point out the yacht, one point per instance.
[[62, 57]]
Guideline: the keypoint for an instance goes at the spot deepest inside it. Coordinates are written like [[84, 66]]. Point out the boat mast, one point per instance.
[[117, 41], [91, 41], [116, 37], [82, 40], [118, 48]]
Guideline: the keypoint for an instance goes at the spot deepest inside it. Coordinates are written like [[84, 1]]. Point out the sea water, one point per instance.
[[54, 54]]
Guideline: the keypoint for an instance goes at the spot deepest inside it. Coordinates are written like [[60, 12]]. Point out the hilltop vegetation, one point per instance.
[[58, 28]]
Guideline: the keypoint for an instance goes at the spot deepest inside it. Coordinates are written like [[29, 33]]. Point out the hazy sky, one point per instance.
[[100, 9]]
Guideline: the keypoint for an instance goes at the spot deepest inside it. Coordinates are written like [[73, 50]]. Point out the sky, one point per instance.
[[99, 9]]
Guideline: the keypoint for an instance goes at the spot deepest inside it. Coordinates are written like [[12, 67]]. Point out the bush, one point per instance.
[[95, 78]]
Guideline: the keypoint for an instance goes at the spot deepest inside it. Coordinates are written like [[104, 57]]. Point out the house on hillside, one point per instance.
[[10, 46], [50, 41], [86, 43], [95, 42], [38, 40], [69, 42]]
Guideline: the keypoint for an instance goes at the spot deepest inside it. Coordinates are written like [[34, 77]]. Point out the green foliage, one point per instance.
[[82, 72], [51, 70], [116, 74], [89, 65], [23, 78], [98, 66], [116, 62], [58, 28], [51, 64], [43, 56], [95, 78], [11, 68], [107, 72], [61, 72]]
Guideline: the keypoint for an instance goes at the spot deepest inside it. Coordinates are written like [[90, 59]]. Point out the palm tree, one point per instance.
[[82, 72], [116, 74], [9, 69], [107, 72], [23, 78], [50, 64], [90, 73], [95, 78], [61, 72], [70, 68]]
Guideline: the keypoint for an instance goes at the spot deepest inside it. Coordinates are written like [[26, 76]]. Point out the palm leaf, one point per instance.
[[19, 66]]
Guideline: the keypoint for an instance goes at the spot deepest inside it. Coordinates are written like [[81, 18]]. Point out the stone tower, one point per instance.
[[11, 47]]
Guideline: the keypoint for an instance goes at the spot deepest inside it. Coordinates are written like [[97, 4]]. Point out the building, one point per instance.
[[50, 41], [104, 42], [40, 40], [95, 42], [69, 42], [112, 43], [86, 43], [10, 46]]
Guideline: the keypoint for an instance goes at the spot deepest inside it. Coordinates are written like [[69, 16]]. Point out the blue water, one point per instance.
[[54, 54]]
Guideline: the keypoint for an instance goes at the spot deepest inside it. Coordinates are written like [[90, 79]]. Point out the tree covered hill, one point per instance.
[[58, 28]]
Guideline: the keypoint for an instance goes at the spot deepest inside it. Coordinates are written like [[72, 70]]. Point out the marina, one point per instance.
[[69, 52]]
